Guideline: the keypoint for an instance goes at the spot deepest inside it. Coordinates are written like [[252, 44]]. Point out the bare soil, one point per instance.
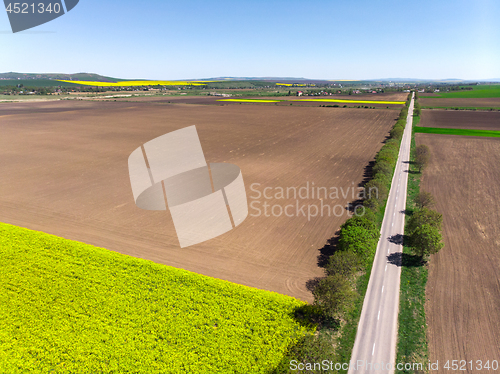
[[64, 171], [215, 100], [463, 289], [490, 102], [460, 119]]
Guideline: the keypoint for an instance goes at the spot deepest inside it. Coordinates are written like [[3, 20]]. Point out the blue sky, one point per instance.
[[347, 39]]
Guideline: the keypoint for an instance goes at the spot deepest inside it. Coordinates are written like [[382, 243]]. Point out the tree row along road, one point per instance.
[[376, 337]]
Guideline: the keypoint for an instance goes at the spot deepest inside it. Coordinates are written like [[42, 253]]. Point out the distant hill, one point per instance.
[[51, 79], [45, 76], [259, 79]]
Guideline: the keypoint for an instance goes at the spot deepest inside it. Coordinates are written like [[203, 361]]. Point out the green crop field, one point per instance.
[[481, 91], [34, 83], [68, 307], [468, 132]]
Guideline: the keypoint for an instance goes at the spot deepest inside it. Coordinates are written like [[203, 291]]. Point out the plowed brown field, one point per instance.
[[490, 102], [463, 289], [64, 171], [284, 100], [460, 119]]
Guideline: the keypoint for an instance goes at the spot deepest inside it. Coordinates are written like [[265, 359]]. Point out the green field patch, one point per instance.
[[467, 132], [69, 307], [250, 100], [354, 101], [481, 91]]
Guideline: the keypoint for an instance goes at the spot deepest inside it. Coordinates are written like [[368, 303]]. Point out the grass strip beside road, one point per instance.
[[465, 132], [412, 346]]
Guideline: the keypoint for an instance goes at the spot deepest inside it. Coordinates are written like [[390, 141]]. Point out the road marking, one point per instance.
[[382, 289], [385, 267], [393, 224], [378, 317], [373, 350]]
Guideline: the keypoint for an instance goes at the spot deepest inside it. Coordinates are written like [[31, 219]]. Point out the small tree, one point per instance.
[[397, 132], [360, 221], [343, 263], [371, 203], [387, 154], [416, 110], [422, 157], [376, 188], [422, 149], [425, 200], [334, 296], [384, 168], [360, 241], [423, 217], [426, 240], [403, 114]]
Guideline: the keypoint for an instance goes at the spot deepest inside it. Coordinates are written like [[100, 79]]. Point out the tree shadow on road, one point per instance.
[[406, 212], [404, 259], [396, 239]]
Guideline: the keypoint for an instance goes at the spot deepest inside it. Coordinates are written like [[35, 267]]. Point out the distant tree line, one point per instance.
[[336, 295], [417, 111], [359, 235], [377, 189]]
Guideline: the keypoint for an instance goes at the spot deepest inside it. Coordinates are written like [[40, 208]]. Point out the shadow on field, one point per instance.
[[367, 174], [412, 171], [406, 260], [328, 250]]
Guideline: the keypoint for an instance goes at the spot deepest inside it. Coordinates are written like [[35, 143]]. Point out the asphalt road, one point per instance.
[[375, 345]]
